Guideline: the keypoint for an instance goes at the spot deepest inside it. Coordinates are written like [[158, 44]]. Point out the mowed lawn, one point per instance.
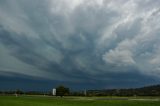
[[70, 101]]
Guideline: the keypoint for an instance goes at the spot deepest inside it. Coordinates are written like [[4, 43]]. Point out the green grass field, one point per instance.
[[73, 101]]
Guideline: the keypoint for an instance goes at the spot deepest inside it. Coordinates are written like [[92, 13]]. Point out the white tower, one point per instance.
[[54, 92], [85, 92]]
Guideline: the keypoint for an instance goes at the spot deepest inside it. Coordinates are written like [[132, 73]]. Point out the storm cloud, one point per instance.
[[80, 40]]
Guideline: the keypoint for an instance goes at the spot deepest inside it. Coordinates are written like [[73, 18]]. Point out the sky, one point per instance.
[[82, 44]]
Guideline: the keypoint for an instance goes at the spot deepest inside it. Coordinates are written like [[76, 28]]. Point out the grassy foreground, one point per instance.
[[70, 101]]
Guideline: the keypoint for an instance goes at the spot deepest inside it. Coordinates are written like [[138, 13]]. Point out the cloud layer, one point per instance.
[[80, 40]]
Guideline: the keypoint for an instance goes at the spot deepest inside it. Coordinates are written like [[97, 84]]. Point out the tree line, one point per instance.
[[65, 91], [144, 91]]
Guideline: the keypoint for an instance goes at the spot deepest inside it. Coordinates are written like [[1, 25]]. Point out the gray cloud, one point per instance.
[[79, 40]]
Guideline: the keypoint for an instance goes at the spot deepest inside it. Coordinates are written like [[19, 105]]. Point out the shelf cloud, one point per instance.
[[80, 40]]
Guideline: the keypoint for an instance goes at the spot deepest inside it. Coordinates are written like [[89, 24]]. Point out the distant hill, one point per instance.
[[153, 90], [144, 91], [149, 90]]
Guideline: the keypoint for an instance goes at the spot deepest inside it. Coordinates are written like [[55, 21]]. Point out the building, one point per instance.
[[54, 92]]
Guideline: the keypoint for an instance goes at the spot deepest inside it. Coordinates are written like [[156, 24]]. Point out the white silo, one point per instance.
[[54, 92]]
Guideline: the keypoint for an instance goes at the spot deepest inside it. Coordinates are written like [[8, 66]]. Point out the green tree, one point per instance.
[[62, 91], [18, 92]]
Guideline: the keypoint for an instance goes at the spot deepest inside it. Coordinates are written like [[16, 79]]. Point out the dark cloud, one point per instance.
[[80, 41]]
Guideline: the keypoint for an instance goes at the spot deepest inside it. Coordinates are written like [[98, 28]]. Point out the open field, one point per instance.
[[76, 101]]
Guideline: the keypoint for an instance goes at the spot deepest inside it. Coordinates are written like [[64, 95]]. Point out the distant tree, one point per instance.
[[62, 91], [18, 91], [34, 93]]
